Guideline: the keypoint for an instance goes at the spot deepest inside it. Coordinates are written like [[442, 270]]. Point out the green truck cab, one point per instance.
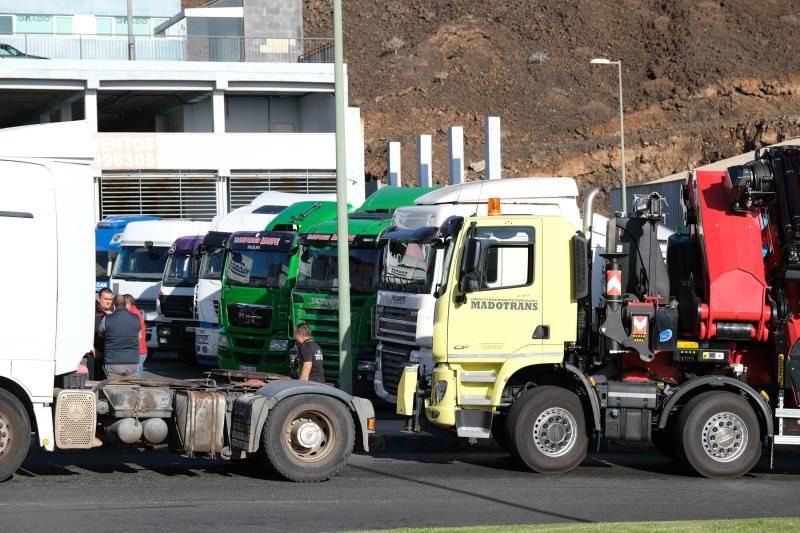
[[259, 273], [315, 298]]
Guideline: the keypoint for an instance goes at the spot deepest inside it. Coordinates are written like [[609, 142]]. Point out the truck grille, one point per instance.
[[397, 324], [177, 306], [324, 324], [253, 344], [249, 316], [394, 357], [146, 306]]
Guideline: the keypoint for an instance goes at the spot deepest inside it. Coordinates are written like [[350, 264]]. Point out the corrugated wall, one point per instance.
[[670, 190]]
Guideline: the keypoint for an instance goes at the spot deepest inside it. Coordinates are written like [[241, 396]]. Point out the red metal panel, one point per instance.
[[732, 253]]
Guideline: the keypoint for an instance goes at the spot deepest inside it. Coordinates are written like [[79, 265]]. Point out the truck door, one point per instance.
[[498, 311]]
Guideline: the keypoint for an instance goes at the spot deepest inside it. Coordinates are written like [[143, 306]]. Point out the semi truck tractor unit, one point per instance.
[[107, 235], [259, 274], [139, 264], [315, 295], [697, 353], [304, 431], [176, 297], [412, 262], [252, 217]]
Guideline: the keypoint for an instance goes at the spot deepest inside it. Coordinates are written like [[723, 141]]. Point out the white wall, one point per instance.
[[317, 113]]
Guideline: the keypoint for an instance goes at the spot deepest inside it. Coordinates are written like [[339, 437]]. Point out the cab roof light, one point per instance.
[[493, 207]]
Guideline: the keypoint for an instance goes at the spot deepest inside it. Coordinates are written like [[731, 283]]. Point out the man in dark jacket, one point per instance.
[[121, 332], [102, 307]]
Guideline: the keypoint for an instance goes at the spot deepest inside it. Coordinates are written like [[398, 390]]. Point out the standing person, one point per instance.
[[102, 307], [130, 303], [121, 332], [310, 355]]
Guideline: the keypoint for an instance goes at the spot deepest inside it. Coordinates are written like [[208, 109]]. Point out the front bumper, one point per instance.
[[252, 353], [176, 335]]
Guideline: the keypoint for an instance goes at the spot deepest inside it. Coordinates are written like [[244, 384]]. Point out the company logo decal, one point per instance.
[[505, 304], [665, 335], [325, 302], [398, 299]]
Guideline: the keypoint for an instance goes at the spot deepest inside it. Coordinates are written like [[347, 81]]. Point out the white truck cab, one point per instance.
[[139, 265], [404, 311], [252, 217]]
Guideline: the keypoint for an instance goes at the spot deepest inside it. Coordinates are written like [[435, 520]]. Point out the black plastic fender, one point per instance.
[[282, 389], [593, 400], [720, 382]]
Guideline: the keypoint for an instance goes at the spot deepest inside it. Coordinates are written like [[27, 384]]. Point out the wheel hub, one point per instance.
[[724, 437], [554, 432], [307, 435], [5, 435]]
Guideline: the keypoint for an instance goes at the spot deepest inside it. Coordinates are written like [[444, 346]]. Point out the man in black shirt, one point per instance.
[[122, 332], [310, 355]]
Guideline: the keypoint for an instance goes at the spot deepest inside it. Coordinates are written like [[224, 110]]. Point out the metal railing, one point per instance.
[[193, 48]]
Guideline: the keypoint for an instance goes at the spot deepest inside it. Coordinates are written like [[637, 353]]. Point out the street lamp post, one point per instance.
[[342, 248], [604, 61]]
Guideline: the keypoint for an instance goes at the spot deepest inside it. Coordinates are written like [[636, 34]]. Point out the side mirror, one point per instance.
[[468, 283], [472, 256], [305, 255], [438, 244]]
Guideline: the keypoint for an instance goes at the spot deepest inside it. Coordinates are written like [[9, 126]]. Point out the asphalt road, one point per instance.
[[127, 490]]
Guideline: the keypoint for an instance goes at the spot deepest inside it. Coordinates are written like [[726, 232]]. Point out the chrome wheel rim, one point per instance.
[[555, 432], [310, 436], [724, 437], [5, 435]]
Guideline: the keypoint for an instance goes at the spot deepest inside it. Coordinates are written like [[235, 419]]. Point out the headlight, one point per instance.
[[201, 339], [164, 331], [277, 345], [223, 341], [366, 366], [438, 391]]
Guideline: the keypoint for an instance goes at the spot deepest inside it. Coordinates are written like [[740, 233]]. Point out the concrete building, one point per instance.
[[191, 139]]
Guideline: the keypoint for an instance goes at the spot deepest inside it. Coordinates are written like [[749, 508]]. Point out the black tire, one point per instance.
[[536, 410], [15, 434], [700, 425], [283, 453]]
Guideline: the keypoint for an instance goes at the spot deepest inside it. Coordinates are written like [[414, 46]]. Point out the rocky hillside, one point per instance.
[[702, 80]]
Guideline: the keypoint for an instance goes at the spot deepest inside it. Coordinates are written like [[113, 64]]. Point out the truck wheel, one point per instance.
[[720, 435], [308, 438], [546, 430], [15, 434]]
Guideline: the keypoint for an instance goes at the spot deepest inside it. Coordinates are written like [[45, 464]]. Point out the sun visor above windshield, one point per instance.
[[423, 234], [215, 239], [261, 241]]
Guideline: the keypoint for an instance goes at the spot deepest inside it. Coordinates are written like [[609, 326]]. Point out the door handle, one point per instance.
[[542, 331]]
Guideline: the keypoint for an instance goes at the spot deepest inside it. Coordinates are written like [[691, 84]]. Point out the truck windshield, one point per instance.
[[180, 271], [249, 268], [101, 265], [408, 267], [137, 263], [318, 270], [211, 263]]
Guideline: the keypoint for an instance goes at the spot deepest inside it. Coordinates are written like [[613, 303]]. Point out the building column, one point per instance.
[[44, 117], [393, 161], [424, 160], [90, 108], [492, 148], [218, 104], [455, 147], [223, 191]]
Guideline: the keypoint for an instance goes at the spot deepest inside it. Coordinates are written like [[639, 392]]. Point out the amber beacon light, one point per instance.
[[494, 207]]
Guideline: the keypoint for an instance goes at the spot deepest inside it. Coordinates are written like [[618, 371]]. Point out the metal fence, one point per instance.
[[147, 48]]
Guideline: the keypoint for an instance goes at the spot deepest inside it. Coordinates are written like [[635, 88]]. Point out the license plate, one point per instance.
[[190, 329], [245, 368]]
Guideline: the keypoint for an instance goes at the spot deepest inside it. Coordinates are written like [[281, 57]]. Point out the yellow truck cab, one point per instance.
[[506, 312]]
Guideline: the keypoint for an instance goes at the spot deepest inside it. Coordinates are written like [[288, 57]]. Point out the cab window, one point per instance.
[[506, 257]]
